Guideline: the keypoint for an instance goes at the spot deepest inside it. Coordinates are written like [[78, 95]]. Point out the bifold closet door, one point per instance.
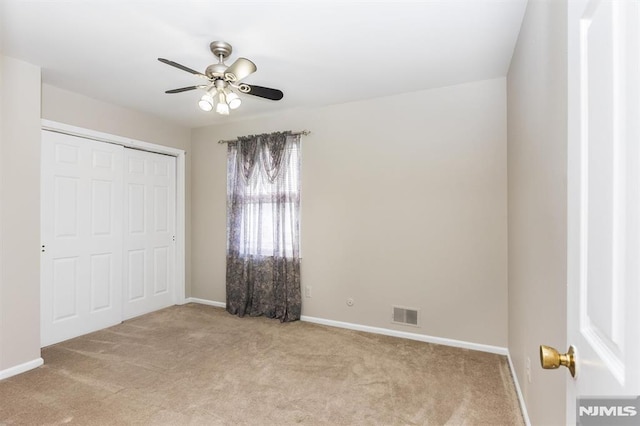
[[149, 237], [82, 236]]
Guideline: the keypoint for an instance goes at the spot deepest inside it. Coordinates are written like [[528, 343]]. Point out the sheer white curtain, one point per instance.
[[263, 188]]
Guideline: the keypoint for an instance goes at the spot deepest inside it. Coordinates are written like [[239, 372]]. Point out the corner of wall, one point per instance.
[[19, 214], [536, 168], [1, 192]]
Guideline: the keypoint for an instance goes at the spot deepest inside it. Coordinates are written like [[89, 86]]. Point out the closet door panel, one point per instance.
[[150, 216], [81, 227]]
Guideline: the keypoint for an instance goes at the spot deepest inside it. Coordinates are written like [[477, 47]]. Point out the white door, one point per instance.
[[604, 202], [149, 241], [81, 220]]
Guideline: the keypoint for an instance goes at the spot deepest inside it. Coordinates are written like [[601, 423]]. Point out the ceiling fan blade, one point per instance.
[[184, 89], [182, 67], [262, 92], [239, 70]]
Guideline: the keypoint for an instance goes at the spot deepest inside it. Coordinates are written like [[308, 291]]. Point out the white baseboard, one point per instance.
[[379, 330], [523, 406], [30, 365], [406, 335], [205, 302]]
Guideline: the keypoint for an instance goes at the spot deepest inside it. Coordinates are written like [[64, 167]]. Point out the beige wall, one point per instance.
[[78, 110], [537, 158], [1, 203], [403, 202], [19, 213]]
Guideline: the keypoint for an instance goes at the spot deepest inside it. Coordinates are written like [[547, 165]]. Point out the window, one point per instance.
[[263, 190]]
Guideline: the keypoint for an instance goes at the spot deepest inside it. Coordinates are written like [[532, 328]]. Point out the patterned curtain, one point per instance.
[[263, 204]]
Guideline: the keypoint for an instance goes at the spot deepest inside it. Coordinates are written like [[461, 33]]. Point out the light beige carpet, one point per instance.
[[196, 364]]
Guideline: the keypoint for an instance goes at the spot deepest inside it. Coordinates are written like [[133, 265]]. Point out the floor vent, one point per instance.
[[407, 316]]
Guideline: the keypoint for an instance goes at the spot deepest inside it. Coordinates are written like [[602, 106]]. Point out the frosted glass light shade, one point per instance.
[[233, 100], [206, 102], [222, 109]]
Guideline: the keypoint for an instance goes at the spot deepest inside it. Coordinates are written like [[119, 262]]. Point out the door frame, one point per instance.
[[179, 294]]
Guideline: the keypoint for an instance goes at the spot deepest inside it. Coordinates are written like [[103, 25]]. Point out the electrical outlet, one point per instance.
[[527, 369], [307, 291]]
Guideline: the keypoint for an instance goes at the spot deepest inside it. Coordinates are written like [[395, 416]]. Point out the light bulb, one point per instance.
[[233, 100], [222, 108], [206, 102]]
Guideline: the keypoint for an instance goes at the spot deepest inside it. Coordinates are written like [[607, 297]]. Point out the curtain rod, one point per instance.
[[301, 132]]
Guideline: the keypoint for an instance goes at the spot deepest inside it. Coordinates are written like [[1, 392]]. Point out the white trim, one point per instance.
[[67, 129], [384, 331], [21, 368], [406, 335], [205, 302], [179, 291], [523, 406]]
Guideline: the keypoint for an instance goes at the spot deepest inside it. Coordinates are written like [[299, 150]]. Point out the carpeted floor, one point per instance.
[[196, 364]]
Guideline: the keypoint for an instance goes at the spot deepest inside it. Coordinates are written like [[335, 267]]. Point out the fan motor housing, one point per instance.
[[215, 70]]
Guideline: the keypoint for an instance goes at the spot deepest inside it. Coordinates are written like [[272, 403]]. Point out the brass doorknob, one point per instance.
[[551, 359]]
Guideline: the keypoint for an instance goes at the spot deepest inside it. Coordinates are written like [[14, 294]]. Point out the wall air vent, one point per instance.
[[406, 316]]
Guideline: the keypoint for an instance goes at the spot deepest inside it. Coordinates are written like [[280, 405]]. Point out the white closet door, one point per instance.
[[149, 237], [81, 220]]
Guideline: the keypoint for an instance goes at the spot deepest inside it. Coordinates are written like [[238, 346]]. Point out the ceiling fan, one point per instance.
[[223, 81]]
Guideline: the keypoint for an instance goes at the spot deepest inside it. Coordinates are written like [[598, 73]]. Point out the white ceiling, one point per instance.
[[316, 52]]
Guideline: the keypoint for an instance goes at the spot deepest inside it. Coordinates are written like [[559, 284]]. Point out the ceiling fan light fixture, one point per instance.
[[221, 104], [221, 79], [206, 102], [222, 109], [233, 100]]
